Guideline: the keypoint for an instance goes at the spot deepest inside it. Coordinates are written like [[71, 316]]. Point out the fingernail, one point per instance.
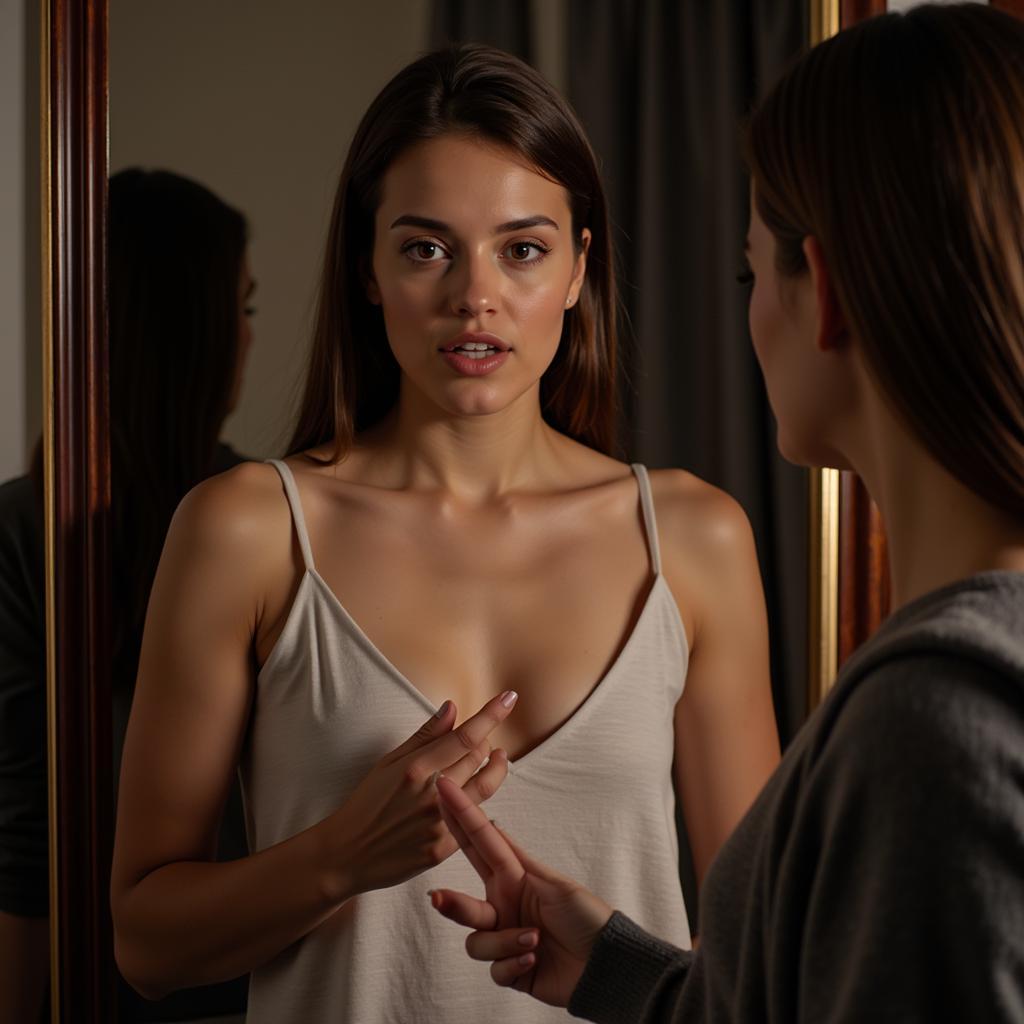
[[527, 939], [526, 959], [440, 712], [509, 697]]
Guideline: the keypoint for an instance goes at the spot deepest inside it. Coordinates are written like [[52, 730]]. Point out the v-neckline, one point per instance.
[[360, 635]]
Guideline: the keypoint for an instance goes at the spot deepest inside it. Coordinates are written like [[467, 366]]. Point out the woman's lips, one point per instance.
[[475, 354], [476, 365]]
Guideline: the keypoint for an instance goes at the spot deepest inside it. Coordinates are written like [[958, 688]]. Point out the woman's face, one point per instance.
[[474, 267], [807, 384]]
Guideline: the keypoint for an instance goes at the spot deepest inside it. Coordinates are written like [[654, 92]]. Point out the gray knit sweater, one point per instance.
[[879, 876]]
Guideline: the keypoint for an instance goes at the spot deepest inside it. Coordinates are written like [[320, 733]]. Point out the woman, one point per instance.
[[449, 500], [878, 876], [179, 304]]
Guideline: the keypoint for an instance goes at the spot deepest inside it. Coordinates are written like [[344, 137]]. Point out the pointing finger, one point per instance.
[[444, 751], [482, 835], [437, 725]]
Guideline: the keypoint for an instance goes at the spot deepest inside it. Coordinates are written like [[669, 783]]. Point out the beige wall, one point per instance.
[[258, 100], [20, 318]]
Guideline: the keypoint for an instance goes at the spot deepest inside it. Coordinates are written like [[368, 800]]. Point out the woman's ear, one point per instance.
[[580, 268], [832, 331]]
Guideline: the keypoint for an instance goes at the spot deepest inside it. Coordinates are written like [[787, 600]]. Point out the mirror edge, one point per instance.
[[823, 535], [73, 121]]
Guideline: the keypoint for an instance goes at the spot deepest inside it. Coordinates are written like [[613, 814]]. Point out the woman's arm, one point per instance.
[[179, 919], [726, 738]]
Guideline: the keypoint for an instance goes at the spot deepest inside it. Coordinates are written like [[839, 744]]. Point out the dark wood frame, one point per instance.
[[77, 473]]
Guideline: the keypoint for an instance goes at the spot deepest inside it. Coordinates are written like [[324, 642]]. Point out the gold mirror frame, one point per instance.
[[74, 165], [823, 585]]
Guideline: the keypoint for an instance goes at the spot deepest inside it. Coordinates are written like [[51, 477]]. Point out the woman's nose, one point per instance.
[[474, 288]]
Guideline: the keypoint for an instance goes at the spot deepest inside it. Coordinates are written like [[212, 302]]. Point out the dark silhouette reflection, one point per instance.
[[179, 309]]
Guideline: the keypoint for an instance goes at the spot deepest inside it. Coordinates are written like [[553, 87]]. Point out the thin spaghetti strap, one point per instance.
[[292, 493], [650, 524]]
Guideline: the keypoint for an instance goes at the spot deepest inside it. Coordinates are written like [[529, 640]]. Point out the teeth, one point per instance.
[[476, 349]]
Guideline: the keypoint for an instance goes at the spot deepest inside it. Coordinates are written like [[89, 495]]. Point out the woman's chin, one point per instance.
[[811, 454], [478, 398]]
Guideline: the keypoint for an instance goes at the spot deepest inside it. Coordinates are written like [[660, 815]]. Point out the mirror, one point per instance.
[[219, 104]]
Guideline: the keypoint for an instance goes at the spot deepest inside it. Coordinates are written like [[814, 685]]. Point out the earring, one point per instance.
[[568, 302]]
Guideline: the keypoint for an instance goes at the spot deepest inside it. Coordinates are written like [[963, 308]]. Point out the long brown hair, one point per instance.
[[353, 378], [899, 145], [175, 257]]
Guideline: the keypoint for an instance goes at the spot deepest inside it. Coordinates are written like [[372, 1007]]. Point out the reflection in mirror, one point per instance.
[[242, 136], [24, 931], [261, 111]]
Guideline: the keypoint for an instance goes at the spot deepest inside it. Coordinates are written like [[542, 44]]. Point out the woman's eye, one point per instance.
[[424, 252], [526, 252]]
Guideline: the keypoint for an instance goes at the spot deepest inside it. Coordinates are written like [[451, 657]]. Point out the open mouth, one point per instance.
[[475, 349]]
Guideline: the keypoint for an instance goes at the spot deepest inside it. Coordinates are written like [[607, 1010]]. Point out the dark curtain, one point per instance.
[[662, 87], [501, 23]]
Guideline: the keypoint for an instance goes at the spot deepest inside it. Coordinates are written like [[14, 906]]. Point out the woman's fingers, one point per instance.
[[508, 972], [500, 945], [463, 909], [478, 830], [434, 727], [462, 771], [534, 866], [446, 750], [474, 858], [482, 786]]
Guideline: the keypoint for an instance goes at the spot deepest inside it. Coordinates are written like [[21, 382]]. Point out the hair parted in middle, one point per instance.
[[479, 92]]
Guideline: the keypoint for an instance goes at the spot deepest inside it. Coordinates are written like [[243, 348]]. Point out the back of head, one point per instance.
[[899, 145], [486, 94], [175, 255]]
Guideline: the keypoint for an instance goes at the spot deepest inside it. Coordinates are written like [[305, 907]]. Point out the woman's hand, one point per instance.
[[391, 828], [536, 926]]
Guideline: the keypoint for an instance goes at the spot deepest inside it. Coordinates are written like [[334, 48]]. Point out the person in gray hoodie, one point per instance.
[[880, 873]]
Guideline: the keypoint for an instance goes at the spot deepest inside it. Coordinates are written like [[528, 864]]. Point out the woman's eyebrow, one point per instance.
[[428, 223]]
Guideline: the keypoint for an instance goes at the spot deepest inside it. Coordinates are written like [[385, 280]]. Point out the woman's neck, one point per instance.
[[938, 530], [474, 458]]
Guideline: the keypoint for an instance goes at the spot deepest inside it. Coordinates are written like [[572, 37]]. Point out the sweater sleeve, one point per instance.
[[632, 977], [904, 877]]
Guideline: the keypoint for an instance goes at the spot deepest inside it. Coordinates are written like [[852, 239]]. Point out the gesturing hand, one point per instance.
[[390, 828], [536, 926]]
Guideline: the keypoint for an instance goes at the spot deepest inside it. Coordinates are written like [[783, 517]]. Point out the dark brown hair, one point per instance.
[[175, 258], [353, 378], [899, 145]]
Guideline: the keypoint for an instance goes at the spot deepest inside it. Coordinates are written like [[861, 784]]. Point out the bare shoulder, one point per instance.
[[708, 551], [699, 524], [239, 516]]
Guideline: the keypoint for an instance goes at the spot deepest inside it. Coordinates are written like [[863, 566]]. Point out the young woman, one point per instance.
[[448, 532], [179, 302], [880, 873]]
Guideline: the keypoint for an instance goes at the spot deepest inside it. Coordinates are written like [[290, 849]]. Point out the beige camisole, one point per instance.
[[594, 800]]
